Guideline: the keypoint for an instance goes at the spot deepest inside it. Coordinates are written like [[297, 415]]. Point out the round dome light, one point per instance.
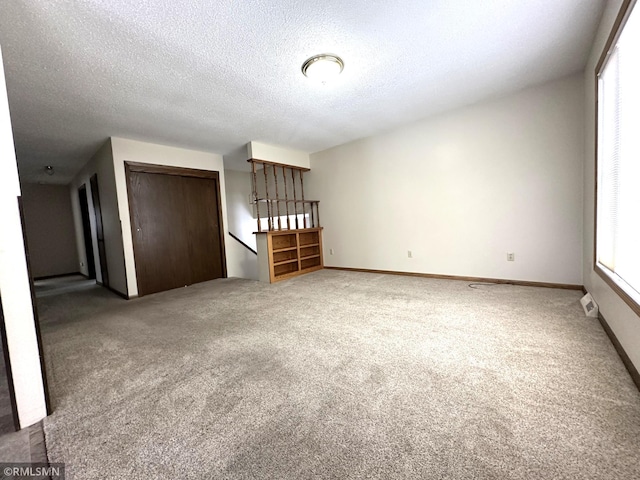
[[323, 67]]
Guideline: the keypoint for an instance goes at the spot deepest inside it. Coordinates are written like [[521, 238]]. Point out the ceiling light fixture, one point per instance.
[[49, 170], [323, 67]]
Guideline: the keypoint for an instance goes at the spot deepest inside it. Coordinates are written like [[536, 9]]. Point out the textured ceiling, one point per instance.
[[213, 75]]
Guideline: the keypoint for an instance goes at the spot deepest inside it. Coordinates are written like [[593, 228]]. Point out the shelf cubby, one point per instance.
[[284, 241], [289, 253], [285, 256]]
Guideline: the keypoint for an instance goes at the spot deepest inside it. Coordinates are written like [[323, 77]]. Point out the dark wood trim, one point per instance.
[[275, 180], [523, 283], [223, 250], [36, 320], [631, 368], [266, 196], [169, 170], [7, 366], [130, 167], [97, 214], [633, 305], [623, 14], [120, 294], [277, 164], [60, 275], [293, 230], [87, 236], [254, 194], [38, 445], [595, 177], [124, 263], [295, 199], [286, 196], [633, 371], [113, 290], [242, 243]]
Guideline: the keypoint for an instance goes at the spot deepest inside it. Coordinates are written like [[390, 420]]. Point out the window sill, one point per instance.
[[619, 287]]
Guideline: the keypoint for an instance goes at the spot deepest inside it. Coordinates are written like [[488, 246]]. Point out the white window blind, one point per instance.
[[618, 201]]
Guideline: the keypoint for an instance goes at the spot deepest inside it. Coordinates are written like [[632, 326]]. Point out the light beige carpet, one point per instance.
[[337, 375]]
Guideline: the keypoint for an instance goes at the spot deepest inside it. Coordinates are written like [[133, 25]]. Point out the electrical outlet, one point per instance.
[[511, 257], [331, 251], [409, 254]]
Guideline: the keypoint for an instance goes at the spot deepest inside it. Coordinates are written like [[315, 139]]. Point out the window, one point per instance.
[[618, 159]]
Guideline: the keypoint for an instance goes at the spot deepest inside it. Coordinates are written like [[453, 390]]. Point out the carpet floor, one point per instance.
[[336, 375]]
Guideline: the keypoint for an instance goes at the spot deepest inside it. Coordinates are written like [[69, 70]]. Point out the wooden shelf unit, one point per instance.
[[289, 253]]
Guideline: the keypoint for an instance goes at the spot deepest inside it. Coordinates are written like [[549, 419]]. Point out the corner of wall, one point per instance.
[[277, 154], [125, 150]]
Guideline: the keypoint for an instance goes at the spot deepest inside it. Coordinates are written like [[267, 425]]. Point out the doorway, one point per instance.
[[97, 211], [176, 224], [86, 231]]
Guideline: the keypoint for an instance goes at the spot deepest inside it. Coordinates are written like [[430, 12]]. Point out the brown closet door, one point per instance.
[[159, 237], [205, 253], [176, 230]]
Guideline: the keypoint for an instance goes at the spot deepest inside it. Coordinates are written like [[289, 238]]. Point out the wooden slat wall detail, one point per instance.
[[254, 193], [266, 196], [275, 180], [286, 197], [295, 199], [304, 216], [309, 209]]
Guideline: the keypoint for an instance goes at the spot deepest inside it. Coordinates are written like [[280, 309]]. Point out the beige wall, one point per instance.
[[241, 262], [242, 219], [274, 153], [133, 151], [108, 163], [50, 229], [462, 189], [102, 165], [240, 212], [622, 320], [241, 224]]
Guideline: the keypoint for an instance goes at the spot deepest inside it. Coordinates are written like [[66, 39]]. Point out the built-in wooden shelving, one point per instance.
[[289, 253], [289, 236]]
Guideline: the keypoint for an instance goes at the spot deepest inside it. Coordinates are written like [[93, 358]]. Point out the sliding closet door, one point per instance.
[[176, 226], [159, 237], [204, 239]]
